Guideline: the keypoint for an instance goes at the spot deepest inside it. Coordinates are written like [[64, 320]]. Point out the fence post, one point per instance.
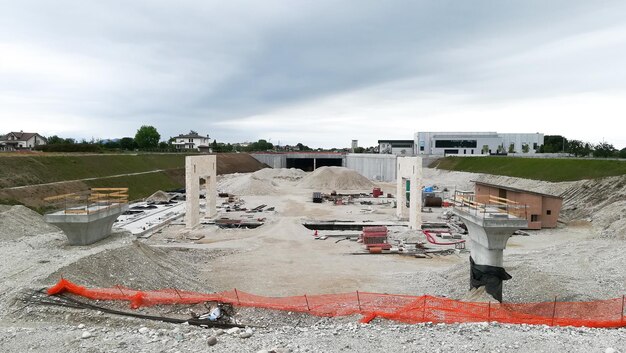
[[120, 289], [307, 303], [424, 309], [622, 313], [489, 312], [554, 311], [237, 295], [358, 300]]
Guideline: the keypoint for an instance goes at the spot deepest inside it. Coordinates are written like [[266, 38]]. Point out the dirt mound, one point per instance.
[[291, 174], [19, 221], [336, 178], [159, 196], [600, 200], [228, 163], [246, 184], [135, 266]]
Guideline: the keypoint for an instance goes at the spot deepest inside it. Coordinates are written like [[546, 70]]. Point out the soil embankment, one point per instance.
[[27, 180]]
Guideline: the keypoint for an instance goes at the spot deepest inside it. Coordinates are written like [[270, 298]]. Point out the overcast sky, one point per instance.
[[317, 72]]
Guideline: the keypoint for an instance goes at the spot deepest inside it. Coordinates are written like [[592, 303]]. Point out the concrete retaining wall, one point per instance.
[[381, 167]]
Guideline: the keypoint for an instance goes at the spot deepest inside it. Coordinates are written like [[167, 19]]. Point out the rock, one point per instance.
[[219, 332], [281, 350], [246, 334], [610, 350], [143, 330], [212, 341], [81, 326], [263, 351], [86, 334], [232, 331]]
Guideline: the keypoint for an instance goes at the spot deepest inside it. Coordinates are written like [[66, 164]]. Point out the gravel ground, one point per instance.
[[572, 262]]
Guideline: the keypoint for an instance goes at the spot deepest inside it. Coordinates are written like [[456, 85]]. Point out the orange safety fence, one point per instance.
[[403, 308]]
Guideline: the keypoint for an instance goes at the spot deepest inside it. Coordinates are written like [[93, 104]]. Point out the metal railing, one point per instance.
[[88, 202], [489, 206]]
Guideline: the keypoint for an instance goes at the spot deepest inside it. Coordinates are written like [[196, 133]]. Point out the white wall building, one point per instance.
[[397, 147], [21, 141], [475, 143], [192, 141]]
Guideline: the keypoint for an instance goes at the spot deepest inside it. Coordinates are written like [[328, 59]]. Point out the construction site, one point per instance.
[[283, 260]]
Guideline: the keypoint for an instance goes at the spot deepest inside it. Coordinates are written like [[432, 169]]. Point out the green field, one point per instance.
[[28, 170], [547, 169]]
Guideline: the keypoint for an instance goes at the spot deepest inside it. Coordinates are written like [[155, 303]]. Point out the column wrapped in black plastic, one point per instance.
[[490, 277]]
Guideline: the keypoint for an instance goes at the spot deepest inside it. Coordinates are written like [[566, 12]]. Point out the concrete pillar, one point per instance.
[[197, 167], [314, 163], [489, 230], [409, 168]]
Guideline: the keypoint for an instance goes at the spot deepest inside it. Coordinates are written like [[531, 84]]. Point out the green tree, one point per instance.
[[553, 144], [512, 148], [163, 145], [128, 143], [604, 150], [55, 140], [111, 145], [147, 137], [261, 145], [622, 153], [302, 147], [525, 148]]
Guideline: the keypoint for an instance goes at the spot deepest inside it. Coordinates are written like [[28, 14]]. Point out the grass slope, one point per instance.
[[535, 168], [27, 170], [139, 186]]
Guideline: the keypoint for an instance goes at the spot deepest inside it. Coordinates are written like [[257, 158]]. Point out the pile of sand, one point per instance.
[[19, 221], [291, 174], [136, 265], [246, 184], [335, 178]]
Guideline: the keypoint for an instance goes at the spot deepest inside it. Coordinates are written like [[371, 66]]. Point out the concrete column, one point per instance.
[[409, 168], [489, 233], [195, 168], [314, 163]]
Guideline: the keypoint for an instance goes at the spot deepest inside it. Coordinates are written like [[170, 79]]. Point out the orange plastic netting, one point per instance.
[[403, 308]]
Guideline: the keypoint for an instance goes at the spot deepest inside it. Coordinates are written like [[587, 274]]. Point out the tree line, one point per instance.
[[578, 148]]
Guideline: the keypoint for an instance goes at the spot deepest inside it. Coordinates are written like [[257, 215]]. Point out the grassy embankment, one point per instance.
[[31, 170], [18, 171], [535, 168]]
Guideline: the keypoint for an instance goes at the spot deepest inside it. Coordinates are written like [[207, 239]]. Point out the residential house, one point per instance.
[[15, 141], [192, 141]]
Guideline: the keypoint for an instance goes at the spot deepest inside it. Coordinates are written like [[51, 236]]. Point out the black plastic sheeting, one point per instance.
[[490, 277]]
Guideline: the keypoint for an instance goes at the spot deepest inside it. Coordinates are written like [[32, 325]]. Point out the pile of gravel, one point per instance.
[[336, 178], [20, 221], [137, 266]]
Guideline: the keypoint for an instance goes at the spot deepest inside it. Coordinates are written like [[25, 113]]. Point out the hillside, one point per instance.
[[20, 175], [547, 169]]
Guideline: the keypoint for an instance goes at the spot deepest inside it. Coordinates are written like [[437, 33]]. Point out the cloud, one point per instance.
[[321, 72]]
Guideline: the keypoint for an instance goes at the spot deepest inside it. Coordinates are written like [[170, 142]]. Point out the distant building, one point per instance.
[[476, 143], [542, 209], [397, 147], [354, 146], [192, 141], [15, 141]]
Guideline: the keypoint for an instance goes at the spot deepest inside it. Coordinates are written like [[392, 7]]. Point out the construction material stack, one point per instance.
[[375, 239]]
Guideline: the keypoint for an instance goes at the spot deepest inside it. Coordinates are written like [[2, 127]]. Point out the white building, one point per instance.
[[14, 141], [192, 141], [397, 147], [475, 143]]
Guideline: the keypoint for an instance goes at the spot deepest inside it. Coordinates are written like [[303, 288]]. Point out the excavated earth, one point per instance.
[[582, 259]]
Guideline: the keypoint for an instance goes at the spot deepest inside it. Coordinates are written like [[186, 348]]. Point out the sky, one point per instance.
[[317, 72]]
